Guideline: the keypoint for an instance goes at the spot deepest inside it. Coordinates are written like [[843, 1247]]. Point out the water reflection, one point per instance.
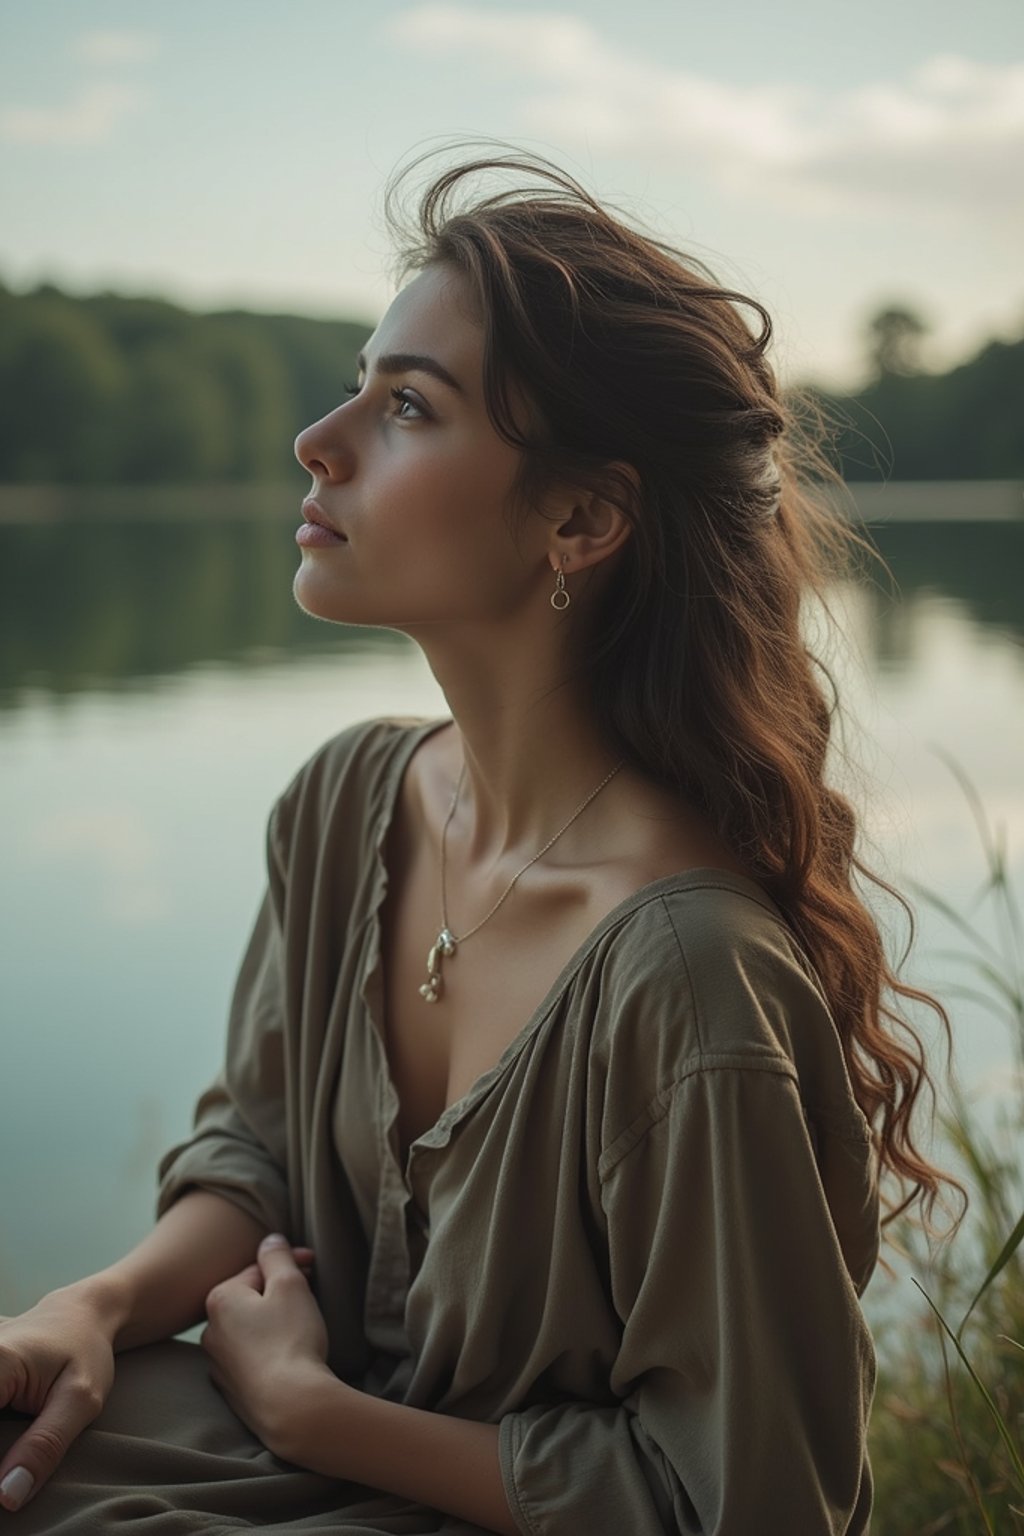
[[974, 565], [112, 603], [115, 603]]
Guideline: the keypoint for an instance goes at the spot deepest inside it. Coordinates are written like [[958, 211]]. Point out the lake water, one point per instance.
[[158, 687]]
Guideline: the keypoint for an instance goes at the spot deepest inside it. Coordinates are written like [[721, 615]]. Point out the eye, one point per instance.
[[409, 408], [404, 399]]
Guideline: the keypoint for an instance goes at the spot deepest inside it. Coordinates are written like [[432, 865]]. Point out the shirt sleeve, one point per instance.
[[238, 1148], [746, 1369]]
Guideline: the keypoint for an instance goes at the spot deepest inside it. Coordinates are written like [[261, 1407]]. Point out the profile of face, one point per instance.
[[412, 473]]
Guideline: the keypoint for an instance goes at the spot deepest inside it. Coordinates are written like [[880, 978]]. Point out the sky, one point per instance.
[[826, 158]]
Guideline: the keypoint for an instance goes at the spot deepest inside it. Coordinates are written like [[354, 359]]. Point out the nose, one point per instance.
[[323, 448]]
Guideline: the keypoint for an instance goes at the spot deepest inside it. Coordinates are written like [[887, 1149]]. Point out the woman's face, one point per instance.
[[413, 475]]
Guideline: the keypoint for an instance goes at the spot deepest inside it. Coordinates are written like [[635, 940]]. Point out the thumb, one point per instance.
[[276, 1258], [35, 1457]]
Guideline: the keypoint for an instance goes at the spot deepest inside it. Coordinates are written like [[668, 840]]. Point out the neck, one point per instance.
[[531, 751]]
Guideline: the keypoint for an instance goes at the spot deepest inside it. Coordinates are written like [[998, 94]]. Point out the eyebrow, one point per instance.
[[407, 362]]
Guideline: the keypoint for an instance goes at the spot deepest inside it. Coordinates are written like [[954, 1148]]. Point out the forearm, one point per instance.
[[435, 1459], [159, 1288]]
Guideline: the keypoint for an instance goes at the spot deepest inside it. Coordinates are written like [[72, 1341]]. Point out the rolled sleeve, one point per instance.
[[746, 1369], [238, 1148]]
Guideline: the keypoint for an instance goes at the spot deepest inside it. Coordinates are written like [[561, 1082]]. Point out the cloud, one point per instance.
[[950, 134], [113, 48], [950, 137], [98, 106], [90, 117]]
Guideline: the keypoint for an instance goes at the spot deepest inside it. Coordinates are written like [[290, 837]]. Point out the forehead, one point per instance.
[[433, 315]]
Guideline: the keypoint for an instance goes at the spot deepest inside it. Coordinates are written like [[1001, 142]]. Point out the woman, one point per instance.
[[563, 1043]]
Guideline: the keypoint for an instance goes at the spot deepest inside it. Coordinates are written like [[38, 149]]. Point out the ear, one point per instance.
[[593, 525]]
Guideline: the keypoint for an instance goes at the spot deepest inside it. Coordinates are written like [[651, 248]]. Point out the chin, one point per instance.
[[318, 596], [319, 593]]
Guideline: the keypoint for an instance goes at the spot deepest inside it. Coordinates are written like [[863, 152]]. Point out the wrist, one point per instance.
[[308, 1431], [107, 1300]]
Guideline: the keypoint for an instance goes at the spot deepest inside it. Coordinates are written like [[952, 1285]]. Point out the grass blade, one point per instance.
[[988, 842], [1006, 1253], [951, 914], [1004, 1013], [1004, 985], [1004, 1434], [954, 1418], [990, 1172]]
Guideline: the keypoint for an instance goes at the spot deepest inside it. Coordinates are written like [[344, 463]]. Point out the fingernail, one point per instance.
[[16, 1487], [274, 1240]]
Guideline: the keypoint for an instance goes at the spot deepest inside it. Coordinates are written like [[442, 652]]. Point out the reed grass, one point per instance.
[[947, 1428]]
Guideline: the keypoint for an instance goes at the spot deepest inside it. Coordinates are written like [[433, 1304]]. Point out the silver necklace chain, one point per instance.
[[445, 944]]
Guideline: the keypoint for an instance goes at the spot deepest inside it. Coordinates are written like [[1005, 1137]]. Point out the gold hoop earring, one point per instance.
[[560, 598]]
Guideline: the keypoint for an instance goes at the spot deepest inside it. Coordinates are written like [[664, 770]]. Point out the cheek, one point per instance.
[[447, 513], [441, 492], [430, 539]]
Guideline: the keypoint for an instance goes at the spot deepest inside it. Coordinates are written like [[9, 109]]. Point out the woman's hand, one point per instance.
[[268, 1347], [57, 1364], [267, 1341]]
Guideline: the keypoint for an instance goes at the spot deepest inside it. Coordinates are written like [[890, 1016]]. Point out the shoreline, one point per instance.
[[898, 501]]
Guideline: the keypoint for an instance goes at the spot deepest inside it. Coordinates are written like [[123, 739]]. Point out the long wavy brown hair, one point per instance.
[[645, 382]]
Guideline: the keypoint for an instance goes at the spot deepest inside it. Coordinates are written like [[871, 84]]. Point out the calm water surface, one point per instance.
[[158, 687]]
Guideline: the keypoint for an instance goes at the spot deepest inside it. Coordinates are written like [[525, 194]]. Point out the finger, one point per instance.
[[11, 1378], [277, 1260], [35, 1457], [227, 1294]]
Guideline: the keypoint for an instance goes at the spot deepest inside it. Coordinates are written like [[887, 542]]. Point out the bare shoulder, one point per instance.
[[656, 833]]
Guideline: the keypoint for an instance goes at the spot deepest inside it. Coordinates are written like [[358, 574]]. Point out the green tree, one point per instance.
[[176, 422], [144, 390], [257, 392], [320, 358], [894, 341], [62, 382], [966, 424]]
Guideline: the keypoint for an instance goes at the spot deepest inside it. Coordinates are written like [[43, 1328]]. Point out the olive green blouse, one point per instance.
[[636, 1244]]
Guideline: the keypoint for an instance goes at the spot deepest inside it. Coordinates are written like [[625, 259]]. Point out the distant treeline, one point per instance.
[[112, 390], [967, 424]]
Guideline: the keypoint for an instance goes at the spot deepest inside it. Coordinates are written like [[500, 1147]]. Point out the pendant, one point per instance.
[[441, 949]]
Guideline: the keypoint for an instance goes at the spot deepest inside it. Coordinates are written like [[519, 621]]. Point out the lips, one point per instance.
[[313, 512]]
